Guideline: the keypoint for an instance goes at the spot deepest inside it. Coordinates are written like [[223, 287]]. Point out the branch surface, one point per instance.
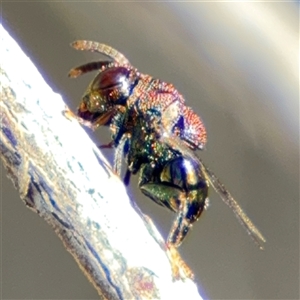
[[61, 175]]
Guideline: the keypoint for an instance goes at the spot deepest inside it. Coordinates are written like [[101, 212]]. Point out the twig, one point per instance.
[[62, 176]]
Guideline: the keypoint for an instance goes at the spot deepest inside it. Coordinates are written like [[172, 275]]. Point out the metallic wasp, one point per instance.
[[157, 134]]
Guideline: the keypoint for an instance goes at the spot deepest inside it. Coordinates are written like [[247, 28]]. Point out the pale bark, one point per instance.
[[61, 175]]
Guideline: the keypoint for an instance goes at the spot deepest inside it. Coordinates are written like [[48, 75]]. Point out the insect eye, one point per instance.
[[114, 84]]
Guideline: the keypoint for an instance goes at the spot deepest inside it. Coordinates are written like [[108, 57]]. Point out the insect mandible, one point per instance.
[[157, 134]]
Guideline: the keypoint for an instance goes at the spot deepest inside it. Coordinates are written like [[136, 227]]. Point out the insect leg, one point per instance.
[[162, 193], [252, 230], [180, 187], [121, 151]]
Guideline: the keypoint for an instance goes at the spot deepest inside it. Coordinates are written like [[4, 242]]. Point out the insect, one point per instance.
[[157, 135]]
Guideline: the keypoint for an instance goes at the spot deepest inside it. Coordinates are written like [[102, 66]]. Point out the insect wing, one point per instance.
[[229, 200]]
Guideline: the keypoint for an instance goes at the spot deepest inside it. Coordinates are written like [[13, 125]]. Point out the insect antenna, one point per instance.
[[89, 67], [103, 49]]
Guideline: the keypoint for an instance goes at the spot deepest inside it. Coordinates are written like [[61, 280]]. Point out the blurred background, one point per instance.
[[237, 64]]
